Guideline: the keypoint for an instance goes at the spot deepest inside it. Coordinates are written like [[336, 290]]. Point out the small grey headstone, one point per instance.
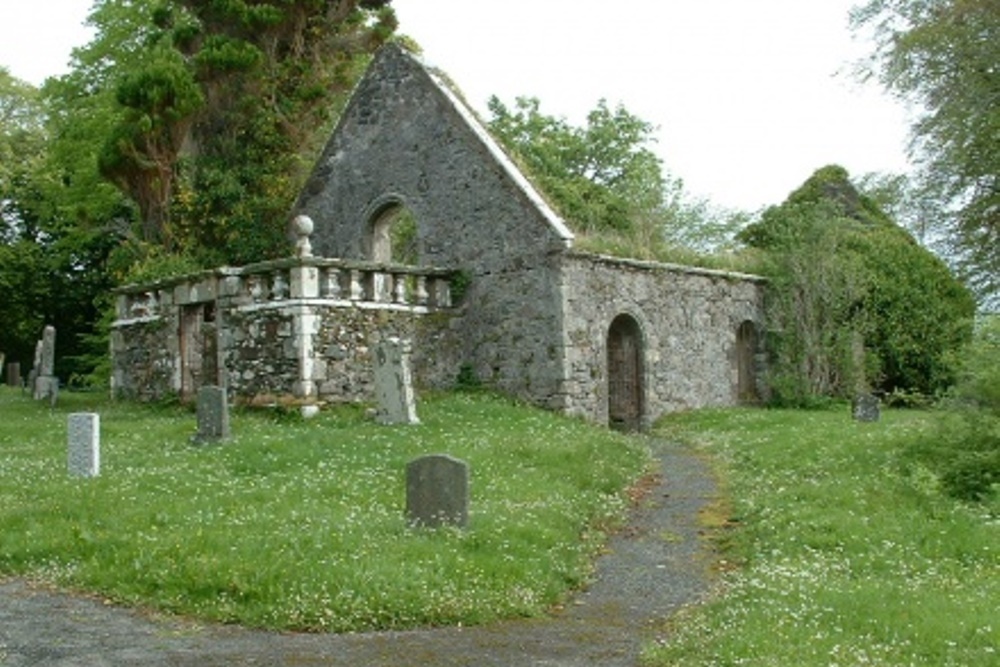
[[394, 383], [84, 444], [437, 492], [865, 408], [213, 415]]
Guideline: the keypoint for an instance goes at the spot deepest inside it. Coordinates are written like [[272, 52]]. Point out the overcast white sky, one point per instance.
[[746, 93]]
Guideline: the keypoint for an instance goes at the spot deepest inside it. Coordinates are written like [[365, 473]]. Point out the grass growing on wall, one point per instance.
[[844, 551], [299, 524]]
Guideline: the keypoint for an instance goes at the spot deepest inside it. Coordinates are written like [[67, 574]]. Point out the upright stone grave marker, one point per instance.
[[43, 386], [394, 383], [865, 408], [35, 368], [213, 415], [437, 492], [14, 374], [84, 444]]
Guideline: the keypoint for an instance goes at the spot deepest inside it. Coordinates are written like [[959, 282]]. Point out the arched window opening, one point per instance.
[[625, 374], [394, 236]]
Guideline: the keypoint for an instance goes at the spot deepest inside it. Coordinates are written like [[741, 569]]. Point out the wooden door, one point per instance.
[[625, 399]]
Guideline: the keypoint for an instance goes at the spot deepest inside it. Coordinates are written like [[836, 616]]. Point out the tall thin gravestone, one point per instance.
[[394, 383], [213, 415], [437, 492], [36, 368], [43, 387], [14, 374], [84, 444]]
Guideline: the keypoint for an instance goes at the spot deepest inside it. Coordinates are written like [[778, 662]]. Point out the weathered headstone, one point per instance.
[[865, 408], [84, 444], [14, 374], [394, 383], [213, 415], [437, 492], [36, 368], [45, 356]]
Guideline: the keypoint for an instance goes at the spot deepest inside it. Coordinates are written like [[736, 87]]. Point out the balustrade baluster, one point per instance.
[[356, 288], [330, 284]]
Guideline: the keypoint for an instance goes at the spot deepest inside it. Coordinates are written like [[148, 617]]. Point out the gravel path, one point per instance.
[[654, 567]]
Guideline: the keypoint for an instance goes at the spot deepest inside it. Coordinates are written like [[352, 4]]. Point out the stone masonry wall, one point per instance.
[[406, 139], [688, 319], [250, 334], [142, 364]]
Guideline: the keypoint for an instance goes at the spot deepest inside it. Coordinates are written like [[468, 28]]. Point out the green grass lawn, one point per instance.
[[300, 524], [842, 550]]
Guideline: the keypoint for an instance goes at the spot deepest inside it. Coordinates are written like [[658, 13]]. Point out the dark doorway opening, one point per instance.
[[625, 374]]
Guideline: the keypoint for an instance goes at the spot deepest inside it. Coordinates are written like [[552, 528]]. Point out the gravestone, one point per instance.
[[437, 492], [394, 383], [45, 354], [213, 415], [84, 444], [865, 408], [14, 374], [35, 368]]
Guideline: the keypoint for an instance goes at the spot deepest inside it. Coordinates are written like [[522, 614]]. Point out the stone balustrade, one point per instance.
[[313, 280]]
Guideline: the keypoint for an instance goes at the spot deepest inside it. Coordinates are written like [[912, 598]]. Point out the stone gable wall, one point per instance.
[[407, 139]]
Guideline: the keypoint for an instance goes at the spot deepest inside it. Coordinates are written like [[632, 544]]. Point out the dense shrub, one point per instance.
[[854, 301], [964, 450]]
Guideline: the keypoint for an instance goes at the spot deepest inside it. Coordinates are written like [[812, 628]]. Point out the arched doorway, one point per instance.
[[746, 353], [394, 237], [625, 374]]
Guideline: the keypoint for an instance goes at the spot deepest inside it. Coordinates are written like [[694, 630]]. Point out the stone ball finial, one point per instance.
[[302, 225]]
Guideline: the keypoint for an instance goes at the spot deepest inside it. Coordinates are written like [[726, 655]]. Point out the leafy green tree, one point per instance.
[[22, 139], [944, 56], [601, 177], [842, 272], [51, 268], [608, 183]]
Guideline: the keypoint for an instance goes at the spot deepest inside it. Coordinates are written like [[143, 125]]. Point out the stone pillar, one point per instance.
[[394, 383], [84, 444], [14, 374]]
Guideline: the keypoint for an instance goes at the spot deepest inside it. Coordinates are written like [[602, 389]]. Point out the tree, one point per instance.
[[51, 267], [274, 76], [601, 177], [843, 273], [607, 182], [944, 56], [22, 139]]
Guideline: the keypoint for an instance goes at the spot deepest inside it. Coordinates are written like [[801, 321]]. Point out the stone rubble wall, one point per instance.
[[264, 341]]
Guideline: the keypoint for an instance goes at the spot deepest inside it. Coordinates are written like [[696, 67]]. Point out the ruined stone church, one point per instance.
[[489, 289]]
